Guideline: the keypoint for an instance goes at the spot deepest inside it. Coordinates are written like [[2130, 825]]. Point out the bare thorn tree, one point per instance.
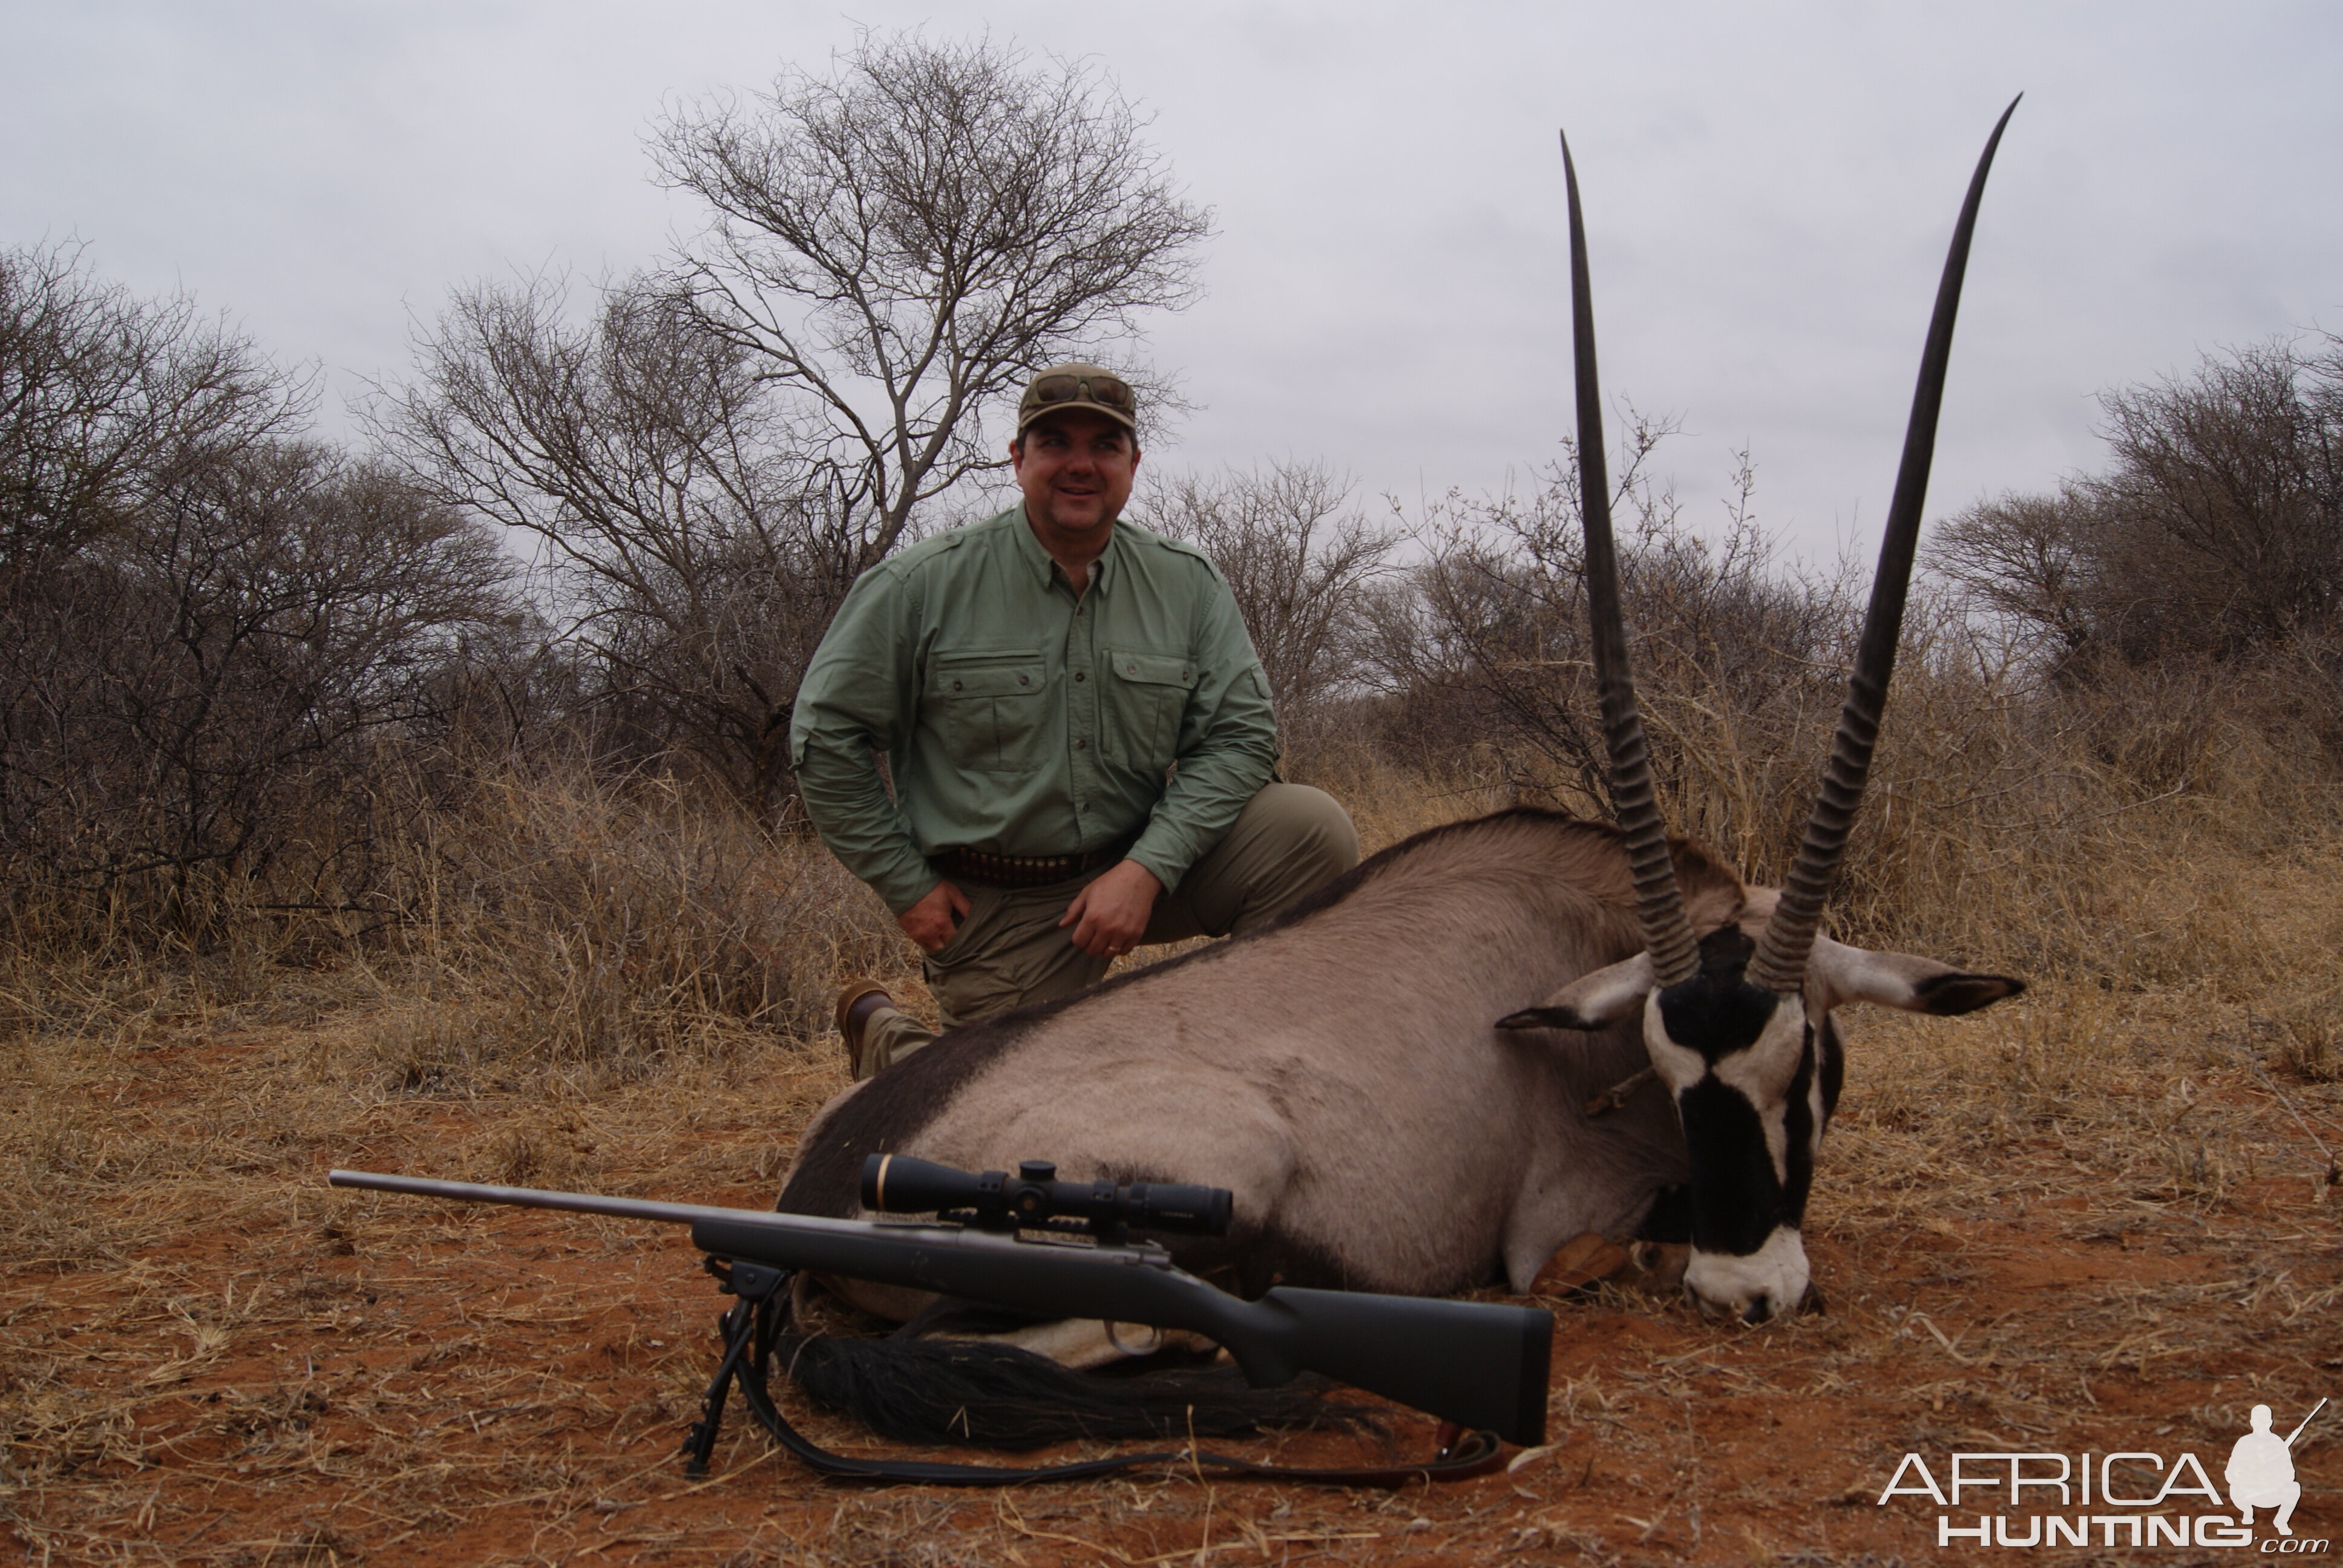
[[639, 451], [900, 241], [716, 453], [2023, 559], [1496, 619], [105, 397], [1301, 560], [1725, 646], [201, 698], [2217, 529]]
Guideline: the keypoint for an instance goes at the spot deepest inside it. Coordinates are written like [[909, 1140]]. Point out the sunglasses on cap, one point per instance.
[[1110, 395]]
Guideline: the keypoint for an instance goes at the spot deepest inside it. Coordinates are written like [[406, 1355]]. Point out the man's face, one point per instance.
[[1075, 469]]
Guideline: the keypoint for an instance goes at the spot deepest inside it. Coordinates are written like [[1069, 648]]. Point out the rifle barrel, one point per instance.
[[574, 1203], [893, 1251]]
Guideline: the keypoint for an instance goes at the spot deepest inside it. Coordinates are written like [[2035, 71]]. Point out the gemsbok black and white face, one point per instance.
[[1737, 1020], [1756, 1074]]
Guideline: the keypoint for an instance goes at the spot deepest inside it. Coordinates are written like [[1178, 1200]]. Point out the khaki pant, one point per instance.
[[1009, 950]]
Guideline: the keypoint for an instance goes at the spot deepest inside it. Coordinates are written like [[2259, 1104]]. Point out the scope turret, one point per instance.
[[1034, 1197]]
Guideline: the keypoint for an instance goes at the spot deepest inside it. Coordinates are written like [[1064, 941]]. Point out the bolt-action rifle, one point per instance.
[[1034, 1243]]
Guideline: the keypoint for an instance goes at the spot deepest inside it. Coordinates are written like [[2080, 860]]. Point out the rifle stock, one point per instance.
[[1481, 1365]]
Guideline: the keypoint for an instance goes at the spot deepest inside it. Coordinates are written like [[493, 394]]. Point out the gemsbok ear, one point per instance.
[[1902, 981], [1591, 1001]]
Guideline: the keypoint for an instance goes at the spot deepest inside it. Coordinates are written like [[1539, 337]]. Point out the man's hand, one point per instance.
[[932, 921], [1111, 914]]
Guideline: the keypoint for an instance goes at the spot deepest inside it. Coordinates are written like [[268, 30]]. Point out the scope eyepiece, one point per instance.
[[1034, 1197]]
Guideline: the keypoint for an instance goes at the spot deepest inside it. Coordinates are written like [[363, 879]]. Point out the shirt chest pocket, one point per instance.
[[1147, 696], [992, 715]]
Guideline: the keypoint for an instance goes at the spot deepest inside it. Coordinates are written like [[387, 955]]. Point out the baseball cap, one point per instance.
[[1091, 389]]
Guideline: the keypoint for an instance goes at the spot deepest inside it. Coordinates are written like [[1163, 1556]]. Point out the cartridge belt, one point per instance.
[[1024, 870]]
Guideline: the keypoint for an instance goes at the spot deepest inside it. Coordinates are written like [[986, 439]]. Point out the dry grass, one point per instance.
[[618, 928], [2095, 1218], [551, 921]]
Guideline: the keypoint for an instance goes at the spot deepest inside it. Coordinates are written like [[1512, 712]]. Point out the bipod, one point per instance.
[[748, 1329]]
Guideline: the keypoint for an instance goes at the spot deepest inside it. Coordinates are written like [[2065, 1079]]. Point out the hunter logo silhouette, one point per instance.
[[2261, 1471]]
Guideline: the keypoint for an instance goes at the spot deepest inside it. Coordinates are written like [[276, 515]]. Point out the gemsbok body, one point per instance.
[[1394, 1079]]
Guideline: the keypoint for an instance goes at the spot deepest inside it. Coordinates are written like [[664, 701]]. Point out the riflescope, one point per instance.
[[1034, 1199]]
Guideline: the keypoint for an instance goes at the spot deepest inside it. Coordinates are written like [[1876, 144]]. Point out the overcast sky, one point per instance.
[[1769, 189]]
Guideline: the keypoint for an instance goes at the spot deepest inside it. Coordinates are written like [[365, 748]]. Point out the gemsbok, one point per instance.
[[1394, 1079]]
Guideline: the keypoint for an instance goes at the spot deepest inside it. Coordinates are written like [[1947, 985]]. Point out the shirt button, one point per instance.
[[955, 685], [1021, 680], [1079, 675], [1081, 745]]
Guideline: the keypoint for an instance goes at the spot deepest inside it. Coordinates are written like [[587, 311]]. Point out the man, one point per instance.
[[1076, 731]]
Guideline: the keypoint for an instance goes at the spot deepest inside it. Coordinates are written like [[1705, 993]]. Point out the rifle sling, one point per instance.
[[764, 1293], [1473, 1453]]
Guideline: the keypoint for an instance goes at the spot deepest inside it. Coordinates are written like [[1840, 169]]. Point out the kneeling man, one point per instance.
[[1077, 732]]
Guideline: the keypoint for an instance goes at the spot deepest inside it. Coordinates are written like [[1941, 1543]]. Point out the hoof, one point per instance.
[[1578, 1264]]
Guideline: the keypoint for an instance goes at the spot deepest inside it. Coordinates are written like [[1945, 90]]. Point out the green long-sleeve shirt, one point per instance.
[[1019, 719]]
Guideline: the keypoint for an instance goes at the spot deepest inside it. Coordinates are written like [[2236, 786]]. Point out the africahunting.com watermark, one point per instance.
[[2131, 1498]]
